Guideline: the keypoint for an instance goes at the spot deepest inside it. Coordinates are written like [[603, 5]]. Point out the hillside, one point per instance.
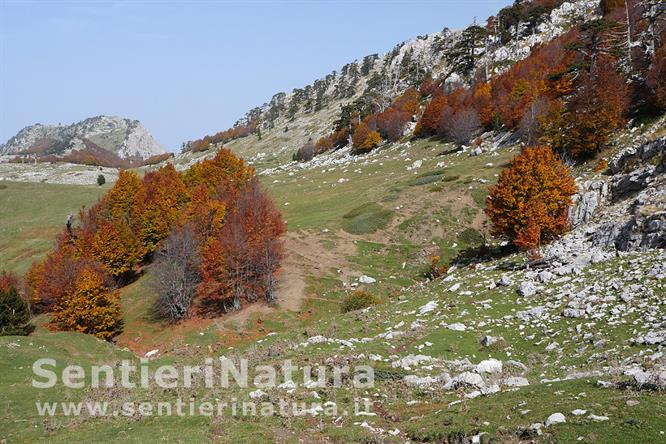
[[470, 338], [101, 140], [580, 342], [288, 120]]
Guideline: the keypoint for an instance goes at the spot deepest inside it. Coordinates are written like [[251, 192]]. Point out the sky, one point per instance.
[[190, 68]]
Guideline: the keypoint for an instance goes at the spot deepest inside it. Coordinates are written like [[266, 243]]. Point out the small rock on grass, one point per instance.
[[555, 418]]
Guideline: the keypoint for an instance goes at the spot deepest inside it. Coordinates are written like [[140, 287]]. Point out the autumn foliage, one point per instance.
[[240, 262], [595, 110], [569, 93], [530, 202], [233, 230], [236, 132], [92, 307], [365, 139]]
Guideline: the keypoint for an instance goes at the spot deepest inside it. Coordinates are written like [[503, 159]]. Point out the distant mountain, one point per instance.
[[103, 140]]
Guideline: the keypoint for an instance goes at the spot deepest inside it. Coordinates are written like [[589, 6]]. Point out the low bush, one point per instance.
[[357, 300]]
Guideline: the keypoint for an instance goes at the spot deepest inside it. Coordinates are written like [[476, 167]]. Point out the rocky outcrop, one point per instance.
[[591, 195], [625, 212], [642, 152], [640, 221], [637, 233], [125, 138]]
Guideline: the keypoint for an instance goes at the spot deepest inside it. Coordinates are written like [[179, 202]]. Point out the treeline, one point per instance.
[[212, 234], [570, 93], [236, 132]]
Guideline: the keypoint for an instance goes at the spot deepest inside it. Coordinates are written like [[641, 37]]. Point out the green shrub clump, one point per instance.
[[358, 300]]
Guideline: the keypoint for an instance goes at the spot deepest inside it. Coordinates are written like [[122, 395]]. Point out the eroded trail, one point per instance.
[[307, 253]]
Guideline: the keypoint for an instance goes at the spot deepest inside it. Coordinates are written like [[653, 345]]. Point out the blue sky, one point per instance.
[[186, 69]]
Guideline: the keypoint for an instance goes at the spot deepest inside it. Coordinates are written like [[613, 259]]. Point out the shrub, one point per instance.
[[101, 180], [364, 139], [14, 311], [305, 153], [424, 180], [427, 177], [436, 268], [357, 300], [530, 203]]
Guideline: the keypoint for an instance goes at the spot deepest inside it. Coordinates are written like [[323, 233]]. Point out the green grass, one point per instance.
[[470, 237], [479, 195], [312, 200], [366, 219], [32, 214]]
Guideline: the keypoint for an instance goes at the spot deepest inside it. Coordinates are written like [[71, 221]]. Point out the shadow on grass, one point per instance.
[[484, 253]]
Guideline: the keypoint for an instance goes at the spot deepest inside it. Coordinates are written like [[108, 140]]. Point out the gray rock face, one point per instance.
[[642, 152], [639, 232], [585, 203], [633, 182], [629, 210], [125, 138]]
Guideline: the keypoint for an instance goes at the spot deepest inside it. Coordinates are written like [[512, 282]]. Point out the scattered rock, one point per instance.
[[427, 308], [152, 353], [488, 340], [258, 394], [555, 418], [457, 327], [527, 289], [489, 366], [598, 418], [516, 381], [367, 280]]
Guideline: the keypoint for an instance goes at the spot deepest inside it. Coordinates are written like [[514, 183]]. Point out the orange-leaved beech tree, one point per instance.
[[240, 262], [92, 306], [222, 175], [530, 202], [110, 230]]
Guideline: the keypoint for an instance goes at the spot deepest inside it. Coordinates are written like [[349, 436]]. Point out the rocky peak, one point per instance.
[[126, 138]]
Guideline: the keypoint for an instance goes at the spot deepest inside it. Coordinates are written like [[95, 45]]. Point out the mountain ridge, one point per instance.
[[376, 79], [125, 138]]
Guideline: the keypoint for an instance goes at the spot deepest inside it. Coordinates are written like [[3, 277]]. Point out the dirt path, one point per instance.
[[291, 284], [306, 254]]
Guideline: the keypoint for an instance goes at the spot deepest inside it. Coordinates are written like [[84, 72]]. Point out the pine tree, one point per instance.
[[467, 50], [14, 314]]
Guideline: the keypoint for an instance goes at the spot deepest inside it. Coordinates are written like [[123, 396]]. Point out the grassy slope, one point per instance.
[[32, 214], [427, 216]]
